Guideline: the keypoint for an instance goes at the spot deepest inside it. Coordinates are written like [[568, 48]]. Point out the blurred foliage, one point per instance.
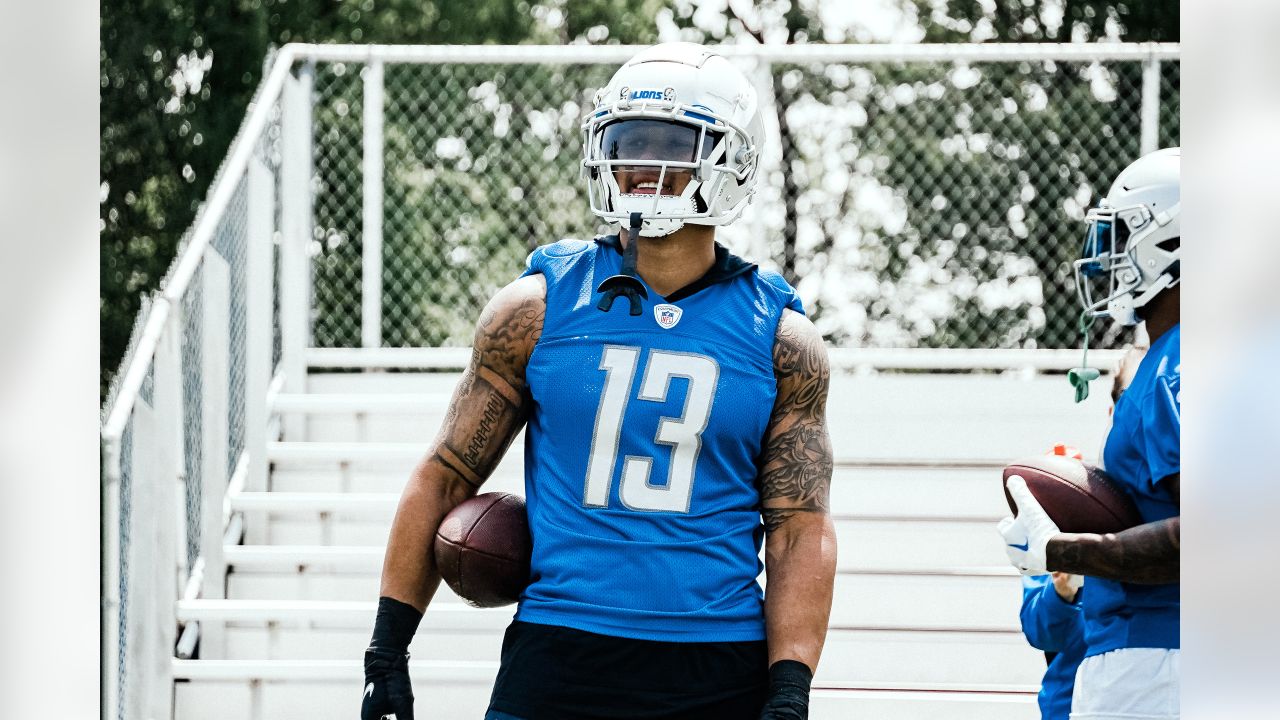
[[953, 209], [177, 77]]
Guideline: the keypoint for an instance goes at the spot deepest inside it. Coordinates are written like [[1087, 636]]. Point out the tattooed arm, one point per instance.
[[795, 484], [1147, 554], [488, 409]]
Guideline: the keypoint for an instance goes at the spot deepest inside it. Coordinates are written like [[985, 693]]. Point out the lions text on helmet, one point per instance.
[[1132, 244], [673, 136]]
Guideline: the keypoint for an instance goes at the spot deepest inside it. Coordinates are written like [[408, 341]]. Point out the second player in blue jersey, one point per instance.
[[1130, 272]]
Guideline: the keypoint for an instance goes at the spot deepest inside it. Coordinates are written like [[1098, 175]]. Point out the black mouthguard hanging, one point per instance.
[[625, 283]]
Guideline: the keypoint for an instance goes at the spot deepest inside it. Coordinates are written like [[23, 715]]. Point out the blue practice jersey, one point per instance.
[[1055, 626], [1142, 451], [641, 450]]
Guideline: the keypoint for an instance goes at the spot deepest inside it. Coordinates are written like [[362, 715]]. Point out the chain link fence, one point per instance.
[[230, 241], [193, 415], [914, 204], [941, 205], [124, 537], [337, 205]]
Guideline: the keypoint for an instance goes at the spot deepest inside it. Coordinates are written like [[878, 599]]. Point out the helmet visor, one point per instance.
[[654, 157], [655, 140], [1097, 242]]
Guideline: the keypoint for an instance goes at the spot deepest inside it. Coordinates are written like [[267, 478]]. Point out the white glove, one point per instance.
[[1027, 535]]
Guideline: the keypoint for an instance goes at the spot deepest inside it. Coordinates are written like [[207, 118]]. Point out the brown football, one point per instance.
[[1080, 498], [483, 547]]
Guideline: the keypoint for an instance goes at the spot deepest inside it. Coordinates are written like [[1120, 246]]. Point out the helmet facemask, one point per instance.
[[1122, 267], [666, 161]]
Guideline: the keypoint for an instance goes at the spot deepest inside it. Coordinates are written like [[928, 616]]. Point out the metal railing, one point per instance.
[[190, 418], [187, 416]]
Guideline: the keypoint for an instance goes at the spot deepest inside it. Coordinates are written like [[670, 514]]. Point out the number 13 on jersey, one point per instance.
[[682, 434]]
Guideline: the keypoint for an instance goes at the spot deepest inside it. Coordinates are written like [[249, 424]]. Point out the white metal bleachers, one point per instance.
[[924, 623]]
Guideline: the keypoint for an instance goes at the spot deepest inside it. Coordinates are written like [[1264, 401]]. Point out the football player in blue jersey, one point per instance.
[[1130, 272], [674, 397]]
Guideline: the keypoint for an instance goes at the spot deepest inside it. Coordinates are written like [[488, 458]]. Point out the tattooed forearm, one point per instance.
[[491, 401], [485, 415], [473, 441], [796, 462], [486, 412], [1148, 554]]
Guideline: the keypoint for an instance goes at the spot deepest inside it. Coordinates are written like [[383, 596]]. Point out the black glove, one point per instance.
[[387, 689], [788, 691], [386, 685]]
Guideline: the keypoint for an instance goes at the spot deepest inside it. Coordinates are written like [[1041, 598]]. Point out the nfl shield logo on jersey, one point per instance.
[[666, 315]]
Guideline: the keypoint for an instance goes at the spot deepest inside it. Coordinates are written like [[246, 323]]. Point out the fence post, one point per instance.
[[110, 581], [172, 537], [154, 586], [259, 292], [216, 293], [771, 160], [296, 235], [1150, 106], [371, 230]]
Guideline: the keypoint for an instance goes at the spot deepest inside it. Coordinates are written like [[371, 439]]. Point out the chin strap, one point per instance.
[[626, 282], [1080, 377]]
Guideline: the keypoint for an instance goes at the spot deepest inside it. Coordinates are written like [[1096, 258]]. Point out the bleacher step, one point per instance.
[[320, 690], [965, 601]]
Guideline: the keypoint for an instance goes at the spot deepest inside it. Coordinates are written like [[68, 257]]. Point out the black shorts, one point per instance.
[[558, 673]]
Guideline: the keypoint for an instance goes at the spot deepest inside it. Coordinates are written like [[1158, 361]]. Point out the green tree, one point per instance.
[[177, 76]]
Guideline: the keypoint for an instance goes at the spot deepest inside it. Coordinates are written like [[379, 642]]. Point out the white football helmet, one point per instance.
[[1132, 245], [675, 113]]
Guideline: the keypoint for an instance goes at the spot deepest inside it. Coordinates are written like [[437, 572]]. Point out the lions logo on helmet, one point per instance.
[[675, 111]]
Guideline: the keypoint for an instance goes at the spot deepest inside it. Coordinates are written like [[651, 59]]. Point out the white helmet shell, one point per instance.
[[689, 85], [1133, 242]]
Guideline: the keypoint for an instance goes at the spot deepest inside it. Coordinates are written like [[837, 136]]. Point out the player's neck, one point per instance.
[[1164, 312], [672, 262]]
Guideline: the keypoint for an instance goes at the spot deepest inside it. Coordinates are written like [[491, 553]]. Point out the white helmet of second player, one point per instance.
[[675, 113], [1132, 245]]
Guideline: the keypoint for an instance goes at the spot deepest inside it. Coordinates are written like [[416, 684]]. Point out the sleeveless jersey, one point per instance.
[[641, 450]]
